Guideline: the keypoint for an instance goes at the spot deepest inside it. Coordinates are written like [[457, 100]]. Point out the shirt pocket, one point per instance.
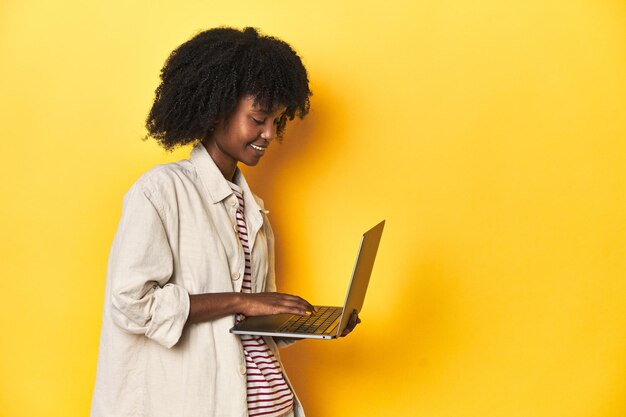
[[209, 254]]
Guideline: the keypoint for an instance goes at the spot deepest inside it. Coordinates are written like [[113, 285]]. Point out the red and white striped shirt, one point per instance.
[[269, 395]]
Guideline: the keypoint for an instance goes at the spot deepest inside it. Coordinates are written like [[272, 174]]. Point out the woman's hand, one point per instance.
[[267, 303], [354, 320]]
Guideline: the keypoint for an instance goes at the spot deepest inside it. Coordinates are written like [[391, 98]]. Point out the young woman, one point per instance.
[[194, 251]]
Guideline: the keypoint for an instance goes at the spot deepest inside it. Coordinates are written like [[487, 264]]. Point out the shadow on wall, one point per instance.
[[382, 350], [389, 359]]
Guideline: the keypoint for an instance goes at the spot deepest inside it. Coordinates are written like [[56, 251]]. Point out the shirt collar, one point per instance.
[[210, 175], [251, 201], [214, 182]]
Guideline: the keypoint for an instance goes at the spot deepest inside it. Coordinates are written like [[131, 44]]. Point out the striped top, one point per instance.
[[268, 392]]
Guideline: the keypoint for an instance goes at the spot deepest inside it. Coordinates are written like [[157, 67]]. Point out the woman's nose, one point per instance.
[[269, 132]]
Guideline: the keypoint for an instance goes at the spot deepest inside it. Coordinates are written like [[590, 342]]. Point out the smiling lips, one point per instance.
[[258, 148]]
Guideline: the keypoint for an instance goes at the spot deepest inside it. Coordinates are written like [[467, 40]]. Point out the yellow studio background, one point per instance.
[[489, 134]]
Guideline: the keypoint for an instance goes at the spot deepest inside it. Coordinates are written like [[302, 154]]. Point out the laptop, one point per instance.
[[328, 322]]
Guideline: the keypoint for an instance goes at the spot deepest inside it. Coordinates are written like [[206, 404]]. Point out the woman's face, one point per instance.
[[245, 137]]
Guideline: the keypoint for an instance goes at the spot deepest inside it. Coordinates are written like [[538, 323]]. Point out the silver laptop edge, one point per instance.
[[355, 296], [363, 266]]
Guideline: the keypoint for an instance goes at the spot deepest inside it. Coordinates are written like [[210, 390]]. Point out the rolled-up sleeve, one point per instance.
[[143, 300]]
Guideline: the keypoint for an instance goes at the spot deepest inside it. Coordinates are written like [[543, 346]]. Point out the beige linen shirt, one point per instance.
[[178, 236]]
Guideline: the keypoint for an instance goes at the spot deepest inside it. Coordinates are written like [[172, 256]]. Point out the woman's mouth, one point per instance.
[[258, 148]]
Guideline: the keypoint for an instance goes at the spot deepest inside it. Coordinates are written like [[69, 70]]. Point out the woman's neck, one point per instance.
[[225, 163]]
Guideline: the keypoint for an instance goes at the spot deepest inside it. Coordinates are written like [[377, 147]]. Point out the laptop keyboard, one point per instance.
[[316, 323]]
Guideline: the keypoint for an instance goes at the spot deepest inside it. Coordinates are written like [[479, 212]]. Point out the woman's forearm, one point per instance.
[[211, 306], [206, 307]]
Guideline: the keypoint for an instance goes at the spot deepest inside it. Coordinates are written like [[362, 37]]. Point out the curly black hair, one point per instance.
[[204, 78]]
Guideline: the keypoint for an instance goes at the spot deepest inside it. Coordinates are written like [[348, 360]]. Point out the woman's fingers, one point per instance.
[[352, 322], [288, 301], [275, 303]]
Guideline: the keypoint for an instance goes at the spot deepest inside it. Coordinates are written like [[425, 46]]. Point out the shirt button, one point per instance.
[[242, 369], [235, 276]]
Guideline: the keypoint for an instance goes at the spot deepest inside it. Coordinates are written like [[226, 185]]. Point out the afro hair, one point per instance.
[[205, 77]]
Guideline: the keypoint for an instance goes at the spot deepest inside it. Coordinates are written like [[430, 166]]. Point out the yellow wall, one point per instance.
[[490, 135]]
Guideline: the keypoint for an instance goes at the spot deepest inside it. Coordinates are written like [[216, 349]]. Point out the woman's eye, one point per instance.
[[257, 121]]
